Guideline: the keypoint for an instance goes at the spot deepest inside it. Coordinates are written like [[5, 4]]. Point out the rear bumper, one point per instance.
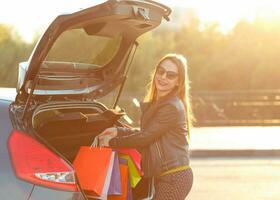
[[41, 193]]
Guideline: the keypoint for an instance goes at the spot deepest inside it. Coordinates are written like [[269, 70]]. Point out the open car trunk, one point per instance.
[[67, 126]]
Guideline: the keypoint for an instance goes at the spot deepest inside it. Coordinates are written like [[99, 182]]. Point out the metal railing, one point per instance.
[[235, 108]]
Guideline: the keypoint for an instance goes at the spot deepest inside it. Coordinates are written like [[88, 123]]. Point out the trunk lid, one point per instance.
[[84, 54]]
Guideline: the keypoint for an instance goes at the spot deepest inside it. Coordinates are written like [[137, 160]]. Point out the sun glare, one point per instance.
[[227, 13], [30, 16]]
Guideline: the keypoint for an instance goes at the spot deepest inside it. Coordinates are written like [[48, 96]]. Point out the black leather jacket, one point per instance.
[[161, 138]]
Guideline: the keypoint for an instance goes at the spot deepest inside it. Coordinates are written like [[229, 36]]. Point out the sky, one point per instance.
[[31, 16]]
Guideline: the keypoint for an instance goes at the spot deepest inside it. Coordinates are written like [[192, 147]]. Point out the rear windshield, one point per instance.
[[76, 46]]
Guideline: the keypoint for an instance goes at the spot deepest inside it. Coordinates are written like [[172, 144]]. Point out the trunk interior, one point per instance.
[[66, 127]]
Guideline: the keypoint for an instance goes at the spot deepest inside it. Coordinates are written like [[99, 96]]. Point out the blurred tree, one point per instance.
[[13, 50], [243, 59]]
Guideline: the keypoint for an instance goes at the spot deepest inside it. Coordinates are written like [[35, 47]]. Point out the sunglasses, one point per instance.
[[169, 74]]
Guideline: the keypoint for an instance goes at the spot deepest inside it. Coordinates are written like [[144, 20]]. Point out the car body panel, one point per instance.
[[41, 193], [10, 186]]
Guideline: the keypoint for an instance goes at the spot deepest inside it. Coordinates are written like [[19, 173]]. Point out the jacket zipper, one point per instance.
[[161, 156], [159, 152]]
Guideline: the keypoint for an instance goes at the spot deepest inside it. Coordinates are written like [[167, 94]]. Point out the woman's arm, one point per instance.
[[124, 131], [112, 132], [165, 119]]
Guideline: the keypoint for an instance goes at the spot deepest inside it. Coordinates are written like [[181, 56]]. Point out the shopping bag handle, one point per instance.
[[95, 142]]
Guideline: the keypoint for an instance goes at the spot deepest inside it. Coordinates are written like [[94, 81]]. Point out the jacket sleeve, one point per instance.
[[123, 131], [163, 120]]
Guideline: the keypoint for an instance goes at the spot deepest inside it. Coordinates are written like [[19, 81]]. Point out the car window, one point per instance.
[[126, 102], [76, 46]]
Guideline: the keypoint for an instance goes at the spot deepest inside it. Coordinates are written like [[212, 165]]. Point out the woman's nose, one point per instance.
[[164, 75]]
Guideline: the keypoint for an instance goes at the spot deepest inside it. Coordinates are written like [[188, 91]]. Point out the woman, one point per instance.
[[164, 133]]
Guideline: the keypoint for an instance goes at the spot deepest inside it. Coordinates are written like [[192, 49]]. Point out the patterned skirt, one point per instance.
[[173, 186]]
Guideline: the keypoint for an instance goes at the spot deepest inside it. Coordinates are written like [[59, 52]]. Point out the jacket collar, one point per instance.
[[149, 108], [144, 105]]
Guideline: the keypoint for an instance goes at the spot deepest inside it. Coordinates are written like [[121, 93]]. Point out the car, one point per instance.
[[67, 93]]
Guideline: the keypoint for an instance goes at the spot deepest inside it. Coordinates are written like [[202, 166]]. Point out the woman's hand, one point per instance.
[[106, 136]]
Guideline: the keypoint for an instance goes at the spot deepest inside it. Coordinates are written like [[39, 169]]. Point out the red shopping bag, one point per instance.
[[93, 166]]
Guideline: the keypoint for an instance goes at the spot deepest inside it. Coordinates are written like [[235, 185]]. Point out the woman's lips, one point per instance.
[[162, 83]]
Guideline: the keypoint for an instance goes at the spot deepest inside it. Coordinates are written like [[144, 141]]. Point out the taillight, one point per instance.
[[35, 163]]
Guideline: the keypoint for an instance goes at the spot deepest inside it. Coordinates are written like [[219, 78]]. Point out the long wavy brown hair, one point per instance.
[[183, 88]]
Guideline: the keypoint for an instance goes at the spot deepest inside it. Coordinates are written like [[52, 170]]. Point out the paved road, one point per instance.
[[235, 179], [235, 138]]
